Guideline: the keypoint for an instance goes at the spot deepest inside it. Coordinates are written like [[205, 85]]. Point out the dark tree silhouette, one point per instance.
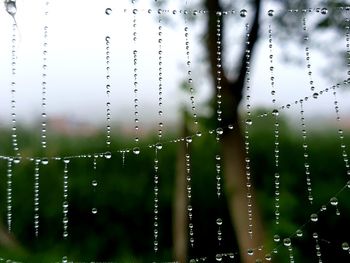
[[232, 87]]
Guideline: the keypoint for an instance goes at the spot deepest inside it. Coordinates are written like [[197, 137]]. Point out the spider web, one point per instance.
[[283, 245]]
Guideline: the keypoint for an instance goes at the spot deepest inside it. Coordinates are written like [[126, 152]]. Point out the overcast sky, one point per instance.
[[76, 63]]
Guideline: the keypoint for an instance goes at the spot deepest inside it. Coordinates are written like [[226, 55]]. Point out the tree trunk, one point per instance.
[[232, 143], [180, 230], [7, 240], [236, 191]]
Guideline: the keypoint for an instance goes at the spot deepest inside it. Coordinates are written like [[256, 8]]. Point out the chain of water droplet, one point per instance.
[[248, 123], [218, 66], [275, 113], [124, 152], [308, 58], [36, 196], [65, 198], [218, 175], [219, 119], [189, 191], [317, 247], [341, 134], [160, 76], [9, 194], [189, 72], [189, 138], [94, 184], [287, 242], [323, 10], [136, 149], [44, 81], [156, 204], [218, 193], [108, 91], [306, 153], [13, 89], [347, 39]]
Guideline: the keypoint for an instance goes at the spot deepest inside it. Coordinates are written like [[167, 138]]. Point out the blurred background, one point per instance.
[[123, 228]]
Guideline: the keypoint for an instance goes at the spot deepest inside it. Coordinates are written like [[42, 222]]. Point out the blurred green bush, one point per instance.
[[122, 230]]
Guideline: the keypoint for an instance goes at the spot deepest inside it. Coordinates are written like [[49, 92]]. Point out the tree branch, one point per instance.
[[238, 85], [213, 6], [231, 90]]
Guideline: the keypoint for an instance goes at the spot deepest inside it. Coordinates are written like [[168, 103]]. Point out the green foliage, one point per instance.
[[122, 230]]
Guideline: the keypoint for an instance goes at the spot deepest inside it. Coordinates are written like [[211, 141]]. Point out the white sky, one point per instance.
[[76, 64]]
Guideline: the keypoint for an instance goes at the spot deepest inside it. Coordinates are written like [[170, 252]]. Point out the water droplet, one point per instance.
[[276, 238], [287, 242], [249, 122], [345, 246], [108, 11], [136, 150], [334, 201], [270, 12], [45, 161], [219, 131], [219, 221], [16, 160], [108, 155], [324, 11], [188, 139], [218, 257], [315, 95], [11, 7], [66, 160], [314, 217], [159, 146], [275, 112], [268, 257], [299, 233], [250, 252], [94, 210], [94, 183], [243, 13]]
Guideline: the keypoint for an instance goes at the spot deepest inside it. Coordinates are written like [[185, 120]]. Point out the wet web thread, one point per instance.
[[286, 242]]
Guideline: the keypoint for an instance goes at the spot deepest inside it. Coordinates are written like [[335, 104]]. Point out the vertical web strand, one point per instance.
[[156, 204], [287, 242], [343, 148], [94, 184], [307, 56], [189, 71], [160, 77], [9, 194], [65, 199], [189, 192], [317, 247], [218, 65], [136, 149], [306, 152], [219, 130], [248, 123], [108, 91], [44, 80], [13, 89], [275, 114], [36, 196]]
